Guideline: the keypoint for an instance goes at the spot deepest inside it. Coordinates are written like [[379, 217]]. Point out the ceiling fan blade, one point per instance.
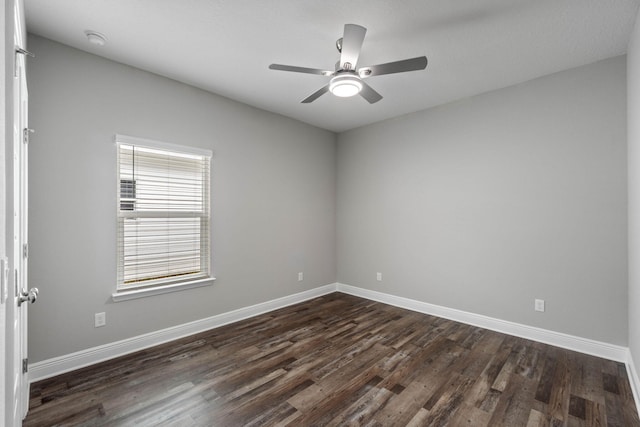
[[300, 69], [315, 95], [413, 64], [369, 94], [351, 45]]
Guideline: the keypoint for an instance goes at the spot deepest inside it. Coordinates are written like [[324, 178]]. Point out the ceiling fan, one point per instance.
[[347, 80]]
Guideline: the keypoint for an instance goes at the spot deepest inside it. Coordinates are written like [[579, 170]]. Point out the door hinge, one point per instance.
[[24, 52], [25, 365], [25, 134], [19, 51], [25, 250]]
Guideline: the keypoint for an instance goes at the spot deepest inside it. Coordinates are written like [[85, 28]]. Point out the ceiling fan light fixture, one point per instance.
[[345, 86]]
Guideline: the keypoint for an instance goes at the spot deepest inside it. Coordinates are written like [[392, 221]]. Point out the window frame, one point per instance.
[[158, 286]]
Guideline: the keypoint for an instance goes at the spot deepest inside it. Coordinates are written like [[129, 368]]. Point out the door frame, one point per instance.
[[6, 17]]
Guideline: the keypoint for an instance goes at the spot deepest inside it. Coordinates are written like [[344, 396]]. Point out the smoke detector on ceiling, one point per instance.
[[95, 38]]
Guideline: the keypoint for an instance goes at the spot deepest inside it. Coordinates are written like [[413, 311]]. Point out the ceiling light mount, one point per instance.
[[95, 37]]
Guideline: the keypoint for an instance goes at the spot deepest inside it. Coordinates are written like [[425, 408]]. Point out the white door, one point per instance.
[[21, 296], [20, 227]]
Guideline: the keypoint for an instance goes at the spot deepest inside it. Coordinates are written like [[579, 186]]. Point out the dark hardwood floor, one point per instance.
[[342, 360]]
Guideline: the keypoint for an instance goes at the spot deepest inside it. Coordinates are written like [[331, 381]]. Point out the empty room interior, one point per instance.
[[320, 213]]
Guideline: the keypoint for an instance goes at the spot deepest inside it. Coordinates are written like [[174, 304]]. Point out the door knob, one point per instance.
[[30, 296]]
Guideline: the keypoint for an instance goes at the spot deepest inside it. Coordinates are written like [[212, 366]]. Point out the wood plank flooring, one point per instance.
[[342, 360]]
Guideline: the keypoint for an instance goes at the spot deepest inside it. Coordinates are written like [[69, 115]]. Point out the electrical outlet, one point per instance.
[[539, 305], [379, 277], [100, 319], [300, 277]]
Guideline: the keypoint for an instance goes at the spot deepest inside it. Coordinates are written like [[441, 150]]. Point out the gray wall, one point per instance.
[[633, 138], [480, 205], [485, 204], [273, 185]]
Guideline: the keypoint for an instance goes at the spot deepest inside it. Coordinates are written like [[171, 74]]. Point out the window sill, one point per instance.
[[157, 290]]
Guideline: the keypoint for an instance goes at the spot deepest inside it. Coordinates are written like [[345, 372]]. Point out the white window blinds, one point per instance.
[[163, 213]]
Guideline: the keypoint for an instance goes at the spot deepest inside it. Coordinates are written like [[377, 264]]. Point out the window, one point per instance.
[[163, 214]]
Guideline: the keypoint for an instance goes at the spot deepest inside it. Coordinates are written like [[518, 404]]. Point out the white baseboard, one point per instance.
[[558, 339], [633, 378], [55, 366], [69, 362]]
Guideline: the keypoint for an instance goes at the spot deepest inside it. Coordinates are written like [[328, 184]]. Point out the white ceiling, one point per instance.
[[225, 46]]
